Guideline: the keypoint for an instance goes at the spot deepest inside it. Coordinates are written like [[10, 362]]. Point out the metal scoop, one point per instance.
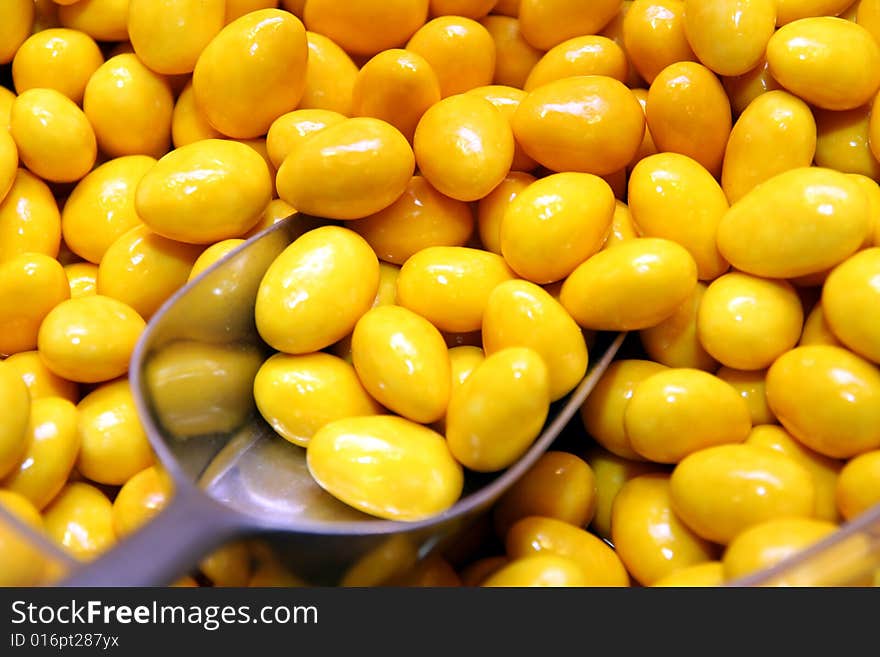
[[192, 377]]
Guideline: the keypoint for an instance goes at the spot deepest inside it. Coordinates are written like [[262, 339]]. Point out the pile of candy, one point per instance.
[[503, 178]]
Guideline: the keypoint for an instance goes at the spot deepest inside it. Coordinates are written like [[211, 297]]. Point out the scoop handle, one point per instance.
[[165, 548]]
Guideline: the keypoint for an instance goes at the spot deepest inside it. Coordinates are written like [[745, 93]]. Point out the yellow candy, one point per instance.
[[799, 222], [470, 8], [842, 142], [422, 217], [139, 500], [539, 535], [432, 572], [392, 556], [15, 400], [555, 224], [291, 129], [143, 269], [491, 208], [514, 56], [204, 192], [827, 398], [507, 8], [633, 286], [273, 575], [824, 470], [792, 10], [872, 189], [169, 37], [212, 255], [463, 360], [24, 564], [326, 268], [460, 51], [29, 218], [387, 292], [181, 371], [720, 491], [775, 133], [743, 89], [188, 122], [674, 197], [80, 519], [479, 572], [522, 314], [688, 113], [278, 210], [130, 108], [59, 59], [330, 76], [507, 100], [730, 36], [103, 20], [858, 487], [816, 329], [829, 62], [40, 381], [31, 285], [707, 574], [82, 278], [229, 565], [674, 341], [868, 16], [89, 339], [450, 285], [679, 411], [348, 170], [385, 466], [54, 137], [46, 15], [403, 362], [464, 147], [397, 86], [590, 124], [654, 36], [545, 23], [746, 322], [611, 473], [297, 395], [751, 386], [16, 19], [496, 415], [559, 485], [102, 206], [648, 537], [51, 451], [252, 72], [767, 544], [542, 570], [585, 55], [603, 411], [114, 446], [850, 299], [6, 99], [238, 8], [363, 27], [8, 162]]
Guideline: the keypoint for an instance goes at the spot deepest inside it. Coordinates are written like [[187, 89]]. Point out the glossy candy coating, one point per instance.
[[252, 72], [385, 466], [314, 293], [348, 170]]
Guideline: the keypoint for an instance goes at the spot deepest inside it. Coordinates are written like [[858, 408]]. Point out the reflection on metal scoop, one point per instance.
[[192, 377]]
